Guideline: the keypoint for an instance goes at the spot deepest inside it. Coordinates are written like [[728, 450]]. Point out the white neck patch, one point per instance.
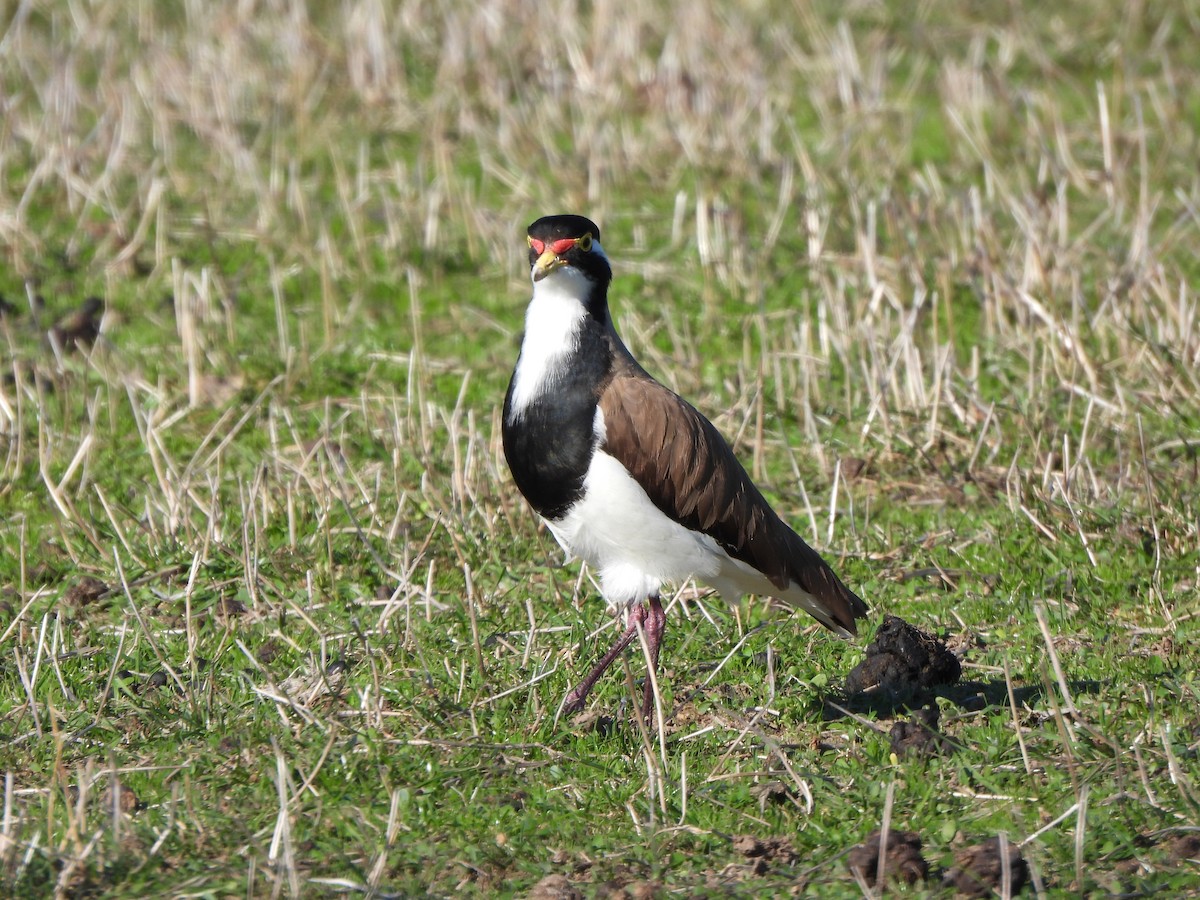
[[552, 325]]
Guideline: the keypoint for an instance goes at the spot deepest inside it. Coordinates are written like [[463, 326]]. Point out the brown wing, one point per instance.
[[688, 471]]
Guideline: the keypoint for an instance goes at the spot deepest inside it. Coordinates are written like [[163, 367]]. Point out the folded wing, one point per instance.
[[690, 473]]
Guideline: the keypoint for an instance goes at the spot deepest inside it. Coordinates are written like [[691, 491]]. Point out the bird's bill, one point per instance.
[[547, 263]]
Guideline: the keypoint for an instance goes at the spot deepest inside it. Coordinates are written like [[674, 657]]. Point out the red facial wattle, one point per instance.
[[558, 248]]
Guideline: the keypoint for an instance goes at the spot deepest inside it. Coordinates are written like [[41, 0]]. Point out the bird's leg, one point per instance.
[[654, 623], [637, 616]]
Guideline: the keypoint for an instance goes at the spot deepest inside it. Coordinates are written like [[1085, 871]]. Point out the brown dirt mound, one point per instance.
[[762, 852], [84, 591], [902, 660], [903, 858], [1183, 848], [919, 736], [555, 887], [979, 870]]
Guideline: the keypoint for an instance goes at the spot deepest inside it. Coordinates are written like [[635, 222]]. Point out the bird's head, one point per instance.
[[567, 242]]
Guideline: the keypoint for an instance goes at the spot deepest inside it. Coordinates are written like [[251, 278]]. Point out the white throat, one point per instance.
[[552, 324]]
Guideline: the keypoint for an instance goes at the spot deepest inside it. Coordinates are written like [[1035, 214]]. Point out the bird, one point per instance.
[[630, 477]]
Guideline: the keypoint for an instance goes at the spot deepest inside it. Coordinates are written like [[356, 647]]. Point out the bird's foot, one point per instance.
[[573, 702]]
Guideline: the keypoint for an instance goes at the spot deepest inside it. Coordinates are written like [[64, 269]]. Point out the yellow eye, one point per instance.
[[585, 242]]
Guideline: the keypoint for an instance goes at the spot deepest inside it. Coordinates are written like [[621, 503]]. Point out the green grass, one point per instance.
[[947, 255]]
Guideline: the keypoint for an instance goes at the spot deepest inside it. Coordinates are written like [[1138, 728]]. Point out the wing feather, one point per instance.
[[690, 473]]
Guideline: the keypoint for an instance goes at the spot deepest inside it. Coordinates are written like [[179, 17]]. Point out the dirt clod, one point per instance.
[[774, 849], [903, 660], [633, 890], [555, 887], [773, 791], [268, 650], [854, 466], [86, 590], [1183, 848], [979, 870], [919, 736], [903, 858], [229, 607], [123, 799], [81, 326]]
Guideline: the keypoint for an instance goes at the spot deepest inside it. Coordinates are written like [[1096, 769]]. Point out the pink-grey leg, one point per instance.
[[653, 620], [654, 624]]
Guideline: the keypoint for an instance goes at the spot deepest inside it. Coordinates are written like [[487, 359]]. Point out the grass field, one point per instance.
[[273, 618]]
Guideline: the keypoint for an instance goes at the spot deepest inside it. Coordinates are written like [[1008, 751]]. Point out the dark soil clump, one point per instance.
[[80, 327], [776, 849], [555, 887], [1183, 848], [903, 859], [979, 870], [84, 591], [903, 661], [919, 736]]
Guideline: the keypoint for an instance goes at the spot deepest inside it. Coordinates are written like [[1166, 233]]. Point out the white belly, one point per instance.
[[628, 540]]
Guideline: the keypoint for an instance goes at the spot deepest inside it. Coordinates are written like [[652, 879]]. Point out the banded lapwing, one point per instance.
[[629, 476]]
